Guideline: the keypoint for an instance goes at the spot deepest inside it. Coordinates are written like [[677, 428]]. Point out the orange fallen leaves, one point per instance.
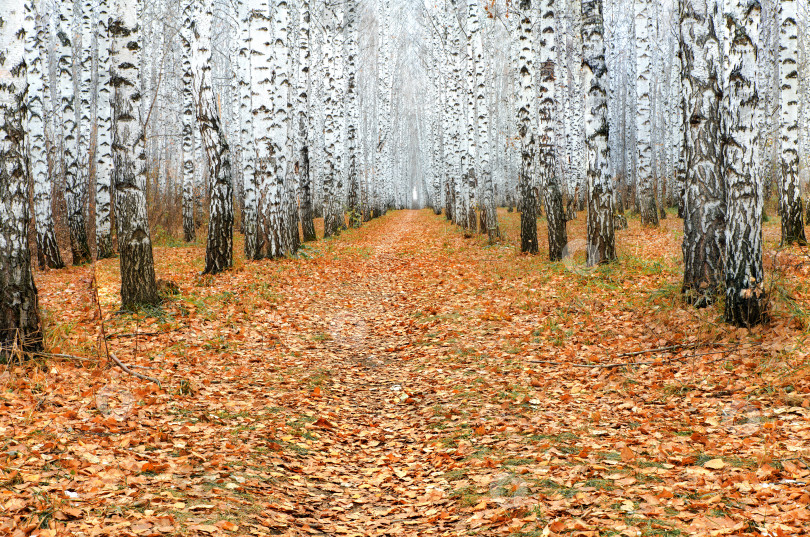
[[383, 386]]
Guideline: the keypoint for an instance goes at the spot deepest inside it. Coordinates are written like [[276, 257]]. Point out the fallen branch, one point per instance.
[[126, 369], [64, 356], [137, 334], [662, 349], [110, 355], [651, 362]]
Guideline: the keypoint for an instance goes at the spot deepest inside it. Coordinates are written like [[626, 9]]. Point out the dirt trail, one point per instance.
[[379, 479]]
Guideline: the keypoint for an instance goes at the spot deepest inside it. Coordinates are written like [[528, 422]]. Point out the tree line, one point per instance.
[[265, 114]]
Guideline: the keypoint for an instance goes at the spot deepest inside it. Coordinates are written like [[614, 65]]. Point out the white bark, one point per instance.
[[745, 294], [790, 200], [246, 133], [601, 242], [645, 187], [20, 327], [104, 160], [75, 190], [187, 121], [132, 221], [37, 75], [704, 196], [549, 180], [526, 102], [219, 249]]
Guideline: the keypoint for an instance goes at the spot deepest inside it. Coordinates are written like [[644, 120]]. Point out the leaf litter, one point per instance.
[[404, 380]]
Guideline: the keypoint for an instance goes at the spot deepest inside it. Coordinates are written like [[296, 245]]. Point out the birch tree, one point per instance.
[[75, 189], [304, 121], [104, 156], [746, 298], [704, 196], [132, 221], [219, 249], [549, 180], [84, 73], [645, 187], [525, 102], [790, 199], [601, 242], [275, 221], [20, 325], [489, 215], [250, 214], [187, 121], [352, 115], [332, 212], [36, 57]]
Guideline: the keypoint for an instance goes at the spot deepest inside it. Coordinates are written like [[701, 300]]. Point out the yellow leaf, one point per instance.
[[715, 464]]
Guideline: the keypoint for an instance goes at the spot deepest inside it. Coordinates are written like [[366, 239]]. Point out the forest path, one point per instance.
[[378, 479], [403, 379]]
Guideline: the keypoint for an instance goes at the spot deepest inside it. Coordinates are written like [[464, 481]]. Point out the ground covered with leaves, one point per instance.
[[403, 379]]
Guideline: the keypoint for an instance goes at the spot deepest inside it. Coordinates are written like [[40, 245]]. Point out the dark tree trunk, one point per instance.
[[307, 222], [219, 250]]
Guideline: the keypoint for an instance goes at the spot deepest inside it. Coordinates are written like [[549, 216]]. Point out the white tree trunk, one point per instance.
[[601, 243], [75, 194], [36, 37], [20, 326], [790, 199], [219, 249], [104, 160], [746, 299], [250, 214], [132, 221], [187, 121], [85, 80], [352, 115], [645, 186], [549, 180], [526, 103], [332, 126], [304, 138], [704, 202]]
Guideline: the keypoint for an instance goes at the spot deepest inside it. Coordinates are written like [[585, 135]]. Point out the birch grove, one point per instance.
[[275, 123]]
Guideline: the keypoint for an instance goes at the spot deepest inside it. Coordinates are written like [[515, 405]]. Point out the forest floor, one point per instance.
[[405, 380]]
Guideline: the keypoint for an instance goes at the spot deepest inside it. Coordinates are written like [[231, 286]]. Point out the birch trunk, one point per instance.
[[84, 66], [704, 205], [525, 102], [187, 118], [20, 325], [250, 214], [132, 221], [304, 122], [549, 180], [644, 176], [601, 244], [489, 214], [219, 250], [75, 191], [104, 156], [790, 199], [36, 37], [746, 298]]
